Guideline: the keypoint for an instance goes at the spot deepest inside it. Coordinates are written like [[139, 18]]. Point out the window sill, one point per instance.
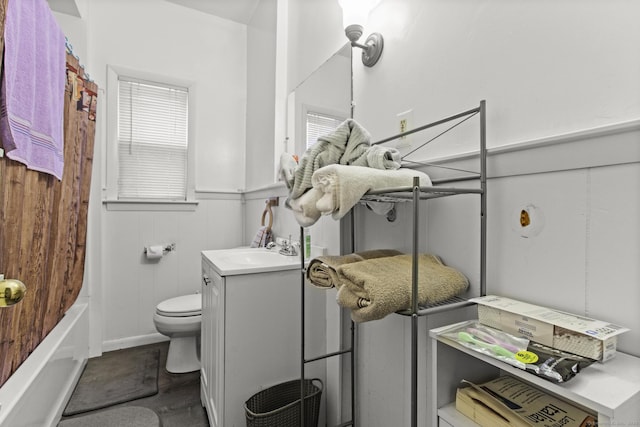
[[150, 205]]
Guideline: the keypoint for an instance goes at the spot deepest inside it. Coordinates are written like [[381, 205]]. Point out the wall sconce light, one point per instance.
[[354, 17]]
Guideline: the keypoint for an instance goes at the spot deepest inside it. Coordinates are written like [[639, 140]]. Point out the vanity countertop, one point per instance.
[[246, 260]]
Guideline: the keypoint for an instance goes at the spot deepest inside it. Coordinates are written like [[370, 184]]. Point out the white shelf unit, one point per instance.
[[414, 194], [611, 390]]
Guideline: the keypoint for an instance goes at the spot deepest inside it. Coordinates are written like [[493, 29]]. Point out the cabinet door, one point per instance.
[[217, 352], [212, 345], [206, 345]]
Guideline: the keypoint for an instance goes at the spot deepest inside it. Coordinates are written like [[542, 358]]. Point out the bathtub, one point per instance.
[[36, 394]]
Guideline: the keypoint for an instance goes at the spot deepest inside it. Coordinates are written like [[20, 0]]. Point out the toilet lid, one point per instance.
[[183, 306]]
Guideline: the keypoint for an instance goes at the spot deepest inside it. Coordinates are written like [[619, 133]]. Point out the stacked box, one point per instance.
[[568, 332]]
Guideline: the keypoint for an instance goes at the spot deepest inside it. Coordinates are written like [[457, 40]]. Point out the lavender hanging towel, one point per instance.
[[32, 93]]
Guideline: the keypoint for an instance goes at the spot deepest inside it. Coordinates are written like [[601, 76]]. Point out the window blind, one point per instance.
[[152, 140], [319, 124]]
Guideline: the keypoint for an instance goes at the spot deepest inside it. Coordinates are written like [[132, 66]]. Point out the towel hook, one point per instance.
[[266, 211]]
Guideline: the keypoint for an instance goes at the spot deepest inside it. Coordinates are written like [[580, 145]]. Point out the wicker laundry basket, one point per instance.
[[279, 405]]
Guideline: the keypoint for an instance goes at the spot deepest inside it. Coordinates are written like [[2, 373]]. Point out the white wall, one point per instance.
[[261, 40], [546, 69], [181, 44]]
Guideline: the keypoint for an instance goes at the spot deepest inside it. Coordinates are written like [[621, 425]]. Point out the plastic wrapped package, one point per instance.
[[546, 362]]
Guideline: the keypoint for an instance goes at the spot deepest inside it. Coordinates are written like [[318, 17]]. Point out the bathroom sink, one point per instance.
[[253, 257], [250, 260]]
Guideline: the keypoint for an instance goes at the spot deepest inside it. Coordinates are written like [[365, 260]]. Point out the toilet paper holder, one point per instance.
[[168, 248]]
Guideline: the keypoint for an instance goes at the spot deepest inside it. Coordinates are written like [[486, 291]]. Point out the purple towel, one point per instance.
[[32, 93]]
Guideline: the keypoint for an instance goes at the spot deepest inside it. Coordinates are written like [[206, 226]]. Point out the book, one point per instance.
[[508, 402]]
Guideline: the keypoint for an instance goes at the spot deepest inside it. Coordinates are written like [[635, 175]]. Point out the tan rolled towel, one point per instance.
[[375, 288], [321, 271]]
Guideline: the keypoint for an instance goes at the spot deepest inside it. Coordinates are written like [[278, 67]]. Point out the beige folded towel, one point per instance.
[[321, 271], [375, 288]]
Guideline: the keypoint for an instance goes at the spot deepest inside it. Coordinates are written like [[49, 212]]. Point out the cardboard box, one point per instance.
[[509, 402], [568, 332]]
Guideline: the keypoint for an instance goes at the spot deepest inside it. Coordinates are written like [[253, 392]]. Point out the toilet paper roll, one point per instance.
[[154, 252], [528, 221]]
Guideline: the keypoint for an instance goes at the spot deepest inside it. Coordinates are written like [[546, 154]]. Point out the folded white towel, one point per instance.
[[304, 207], [288, 165], [343, 186], [383, 157]]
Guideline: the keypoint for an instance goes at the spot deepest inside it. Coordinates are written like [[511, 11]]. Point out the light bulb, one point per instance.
[[356, 13]]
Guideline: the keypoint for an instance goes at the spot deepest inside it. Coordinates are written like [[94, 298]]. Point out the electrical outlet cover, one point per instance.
[[405, 123]]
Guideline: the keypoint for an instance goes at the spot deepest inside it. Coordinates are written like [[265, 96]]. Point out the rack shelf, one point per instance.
[[304, 360], [611, 389], [395, 195], [414, 194]]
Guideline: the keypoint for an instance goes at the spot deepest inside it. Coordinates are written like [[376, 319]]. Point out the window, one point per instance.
[[319, 124], [152, 140]]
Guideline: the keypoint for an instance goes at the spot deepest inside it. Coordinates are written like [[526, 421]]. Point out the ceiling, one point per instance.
[[235, 10], [68, 7]]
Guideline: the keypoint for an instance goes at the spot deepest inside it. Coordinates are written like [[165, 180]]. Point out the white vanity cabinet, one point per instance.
[[611, 390], [250, 336], [212, 344]]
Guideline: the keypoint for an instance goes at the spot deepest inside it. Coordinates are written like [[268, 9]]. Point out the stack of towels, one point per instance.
[[373, 284], [338, 170]]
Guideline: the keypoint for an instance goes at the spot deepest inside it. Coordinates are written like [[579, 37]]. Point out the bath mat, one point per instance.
[[130, 416], [106, 381]]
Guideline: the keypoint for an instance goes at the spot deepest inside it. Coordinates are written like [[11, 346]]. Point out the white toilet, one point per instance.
[[179, 318]]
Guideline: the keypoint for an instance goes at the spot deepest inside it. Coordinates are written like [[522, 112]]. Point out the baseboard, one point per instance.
[[136, 341]]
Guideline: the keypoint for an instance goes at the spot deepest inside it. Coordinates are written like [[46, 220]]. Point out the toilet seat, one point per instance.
[[182, 306]]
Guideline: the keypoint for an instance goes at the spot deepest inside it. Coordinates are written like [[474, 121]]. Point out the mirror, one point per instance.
[[325, 93]]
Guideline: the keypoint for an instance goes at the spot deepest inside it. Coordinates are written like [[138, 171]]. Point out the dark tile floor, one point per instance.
[[177, 402]]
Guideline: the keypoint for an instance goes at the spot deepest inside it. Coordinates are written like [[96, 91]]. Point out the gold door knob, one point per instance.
[[11, 291]]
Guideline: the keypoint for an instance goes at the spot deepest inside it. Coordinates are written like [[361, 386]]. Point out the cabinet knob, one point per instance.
[[206, 280]]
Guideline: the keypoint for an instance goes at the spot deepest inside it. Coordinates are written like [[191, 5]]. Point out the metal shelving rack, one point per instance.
[[349, 351], [414, 194]]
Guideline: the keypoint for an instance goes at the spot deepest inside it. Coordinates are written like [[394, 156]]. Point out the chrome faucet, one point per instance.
[[288, 248]]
